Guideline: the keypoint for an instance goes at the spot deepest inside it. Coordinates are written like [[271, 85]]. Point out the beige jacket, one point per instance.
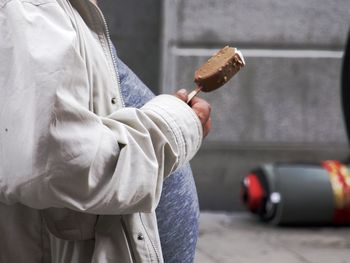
[[67, 143]]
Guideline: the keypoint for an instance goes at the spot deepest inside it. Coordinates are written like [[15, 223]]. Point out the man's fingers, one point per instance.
[[182, 94], [207, 127], [202, 108]]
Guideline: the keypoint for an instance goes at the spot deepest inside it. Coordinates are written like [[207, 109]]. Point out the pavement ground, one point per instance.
[[242, 238]]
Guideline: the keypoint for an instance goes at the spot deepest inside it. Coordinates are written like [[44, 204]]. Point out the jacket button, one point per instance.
[[140, 236], [113, 100]]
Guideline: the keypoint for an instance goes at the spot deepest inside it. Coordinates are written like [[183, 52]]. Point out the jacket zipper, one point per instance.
[[114, 60], [149, 238], [112, 55]]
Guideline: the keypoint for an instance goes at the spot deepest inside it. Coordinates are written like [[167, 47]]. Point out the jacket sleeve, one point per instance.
[[54, 152]]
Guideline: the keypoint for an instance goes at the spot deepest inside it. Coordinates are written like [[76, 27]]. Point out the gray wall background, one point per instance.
[[284, 106], [135, 28]]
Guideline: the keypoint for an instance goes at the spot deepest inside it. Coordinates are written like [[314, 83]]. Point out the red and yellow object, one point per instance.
[[339, 176], [254, 192]]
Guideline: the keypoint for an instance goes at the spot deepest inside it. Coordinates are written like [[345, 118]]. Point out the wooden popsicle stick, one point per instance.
[[193, 94]]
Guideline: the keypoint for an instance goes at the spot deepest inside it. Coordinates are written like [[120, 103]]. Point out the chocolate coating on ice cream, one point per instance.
[[219, 69]]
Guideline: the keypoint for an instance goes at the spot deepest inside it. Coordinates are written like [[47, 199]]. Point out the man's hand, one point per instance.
[[201, 107]]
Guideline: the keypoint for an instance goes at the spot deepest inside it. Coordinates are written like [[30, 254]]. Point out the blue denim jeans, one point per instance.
[[178, 209]]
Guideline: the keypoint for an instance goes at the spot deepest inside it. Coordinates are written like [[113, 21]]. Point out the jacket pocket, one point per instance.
[[70, 225], [128, 239]]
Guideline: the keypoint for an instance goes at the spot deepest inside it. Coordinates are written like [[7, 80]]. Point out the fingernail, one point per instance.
[[182, 91]]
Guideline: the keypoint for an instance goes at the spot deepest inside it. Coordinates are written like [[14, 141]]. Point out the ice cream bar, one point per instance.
[[218, 70]]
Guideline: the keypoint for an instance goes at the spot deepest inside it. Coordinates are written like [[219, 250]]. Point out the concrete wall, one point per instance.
[[135, 29], [284, 106]]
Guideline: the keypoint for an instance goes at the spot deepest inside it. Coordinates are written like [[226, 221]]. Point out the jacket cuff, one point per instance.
[[182, 121]]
